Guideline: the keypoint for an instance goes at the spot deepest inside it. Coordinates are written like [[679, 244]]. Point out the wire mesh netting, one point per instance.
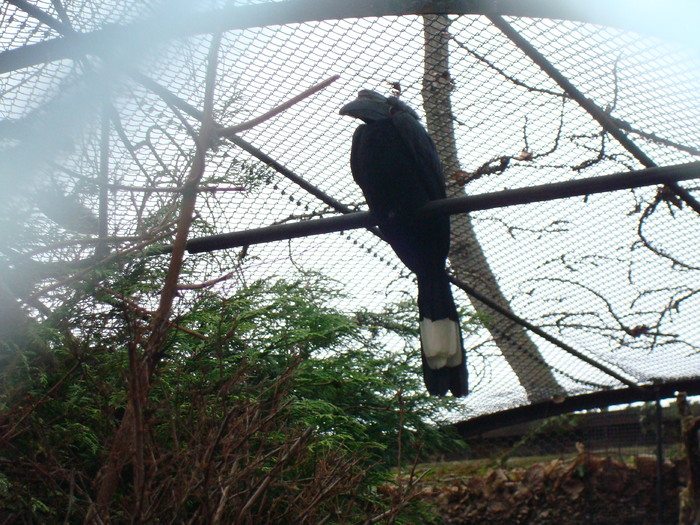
[[613, 275]]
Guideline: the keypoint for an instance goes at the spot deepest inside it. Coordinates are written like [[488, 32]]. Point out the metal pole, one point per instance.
[[469, 203], [299, 11], [279, 232], [544, 335]]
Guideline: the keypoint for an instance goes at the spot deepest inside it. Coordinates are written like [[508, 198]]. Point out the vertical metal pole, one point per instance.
[[659, 460]]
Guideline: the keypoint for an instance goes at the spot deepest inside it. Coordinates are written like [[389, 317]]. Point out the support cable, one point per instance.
[[42, 16], [169, 25]]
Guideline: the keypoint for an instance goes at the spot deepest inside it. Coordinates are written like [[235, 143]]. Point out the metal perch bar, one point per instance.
[[615, 182], [541, 193]]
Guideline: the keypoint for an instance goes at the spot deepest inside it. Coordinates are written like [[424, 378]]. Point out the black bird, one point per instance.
[[396, 164]]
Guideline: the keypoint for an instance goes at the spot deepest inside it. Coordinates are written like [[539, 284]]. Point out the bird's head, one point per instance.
[[370, 106]]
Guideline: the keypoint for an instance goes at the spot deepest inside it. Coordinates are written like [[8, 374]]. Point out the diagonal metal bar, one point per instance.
[[192, 111], [653, 137], [685, 195], [238, 128], [605, 120], [41, 15], [468, 203], [544, 335], [289, 174]]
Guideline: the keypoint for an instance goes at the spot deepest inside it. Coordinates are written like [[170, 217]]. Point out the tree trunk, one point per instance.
[[467, 259]]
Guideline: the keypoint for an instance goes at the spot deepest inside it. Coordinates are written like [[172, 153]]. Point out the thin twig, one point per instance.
[[88, 241], [150, 313], [224, 132], [201, 189], [141, 189], [116, 121], [138, 396], [504, 74], [135, 248], [273, 472], [206, 284]]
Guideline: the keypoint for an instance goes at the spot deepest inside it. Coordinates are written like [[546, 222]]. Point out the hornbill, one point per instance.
[[396, 164]]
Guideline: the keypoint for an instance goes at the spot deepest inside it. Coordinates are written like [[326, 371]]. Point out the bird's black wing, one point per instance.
[[423, 150], [388, 171], [397, 178]]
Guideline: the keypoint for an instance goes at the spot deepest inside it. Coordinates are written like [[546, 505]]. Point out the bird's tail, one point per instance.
[[443, 356]]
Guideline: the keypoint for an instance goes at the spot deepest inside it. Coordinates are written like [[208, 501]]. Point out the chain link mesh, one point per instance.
[[613, 275]]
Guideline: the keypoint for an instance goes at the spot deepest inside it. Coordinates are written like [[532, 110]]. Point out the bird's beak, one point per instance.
[[366, 109]]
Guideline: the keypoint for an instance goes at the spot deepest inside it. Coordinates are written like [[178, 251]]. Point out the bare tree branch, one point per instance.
[[225, 132], [508, 77], [152, 348]]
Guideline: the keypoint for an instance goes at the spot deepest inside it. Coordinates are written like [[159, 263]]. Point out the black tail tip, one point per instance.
[[459, 390], [439, 381]]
